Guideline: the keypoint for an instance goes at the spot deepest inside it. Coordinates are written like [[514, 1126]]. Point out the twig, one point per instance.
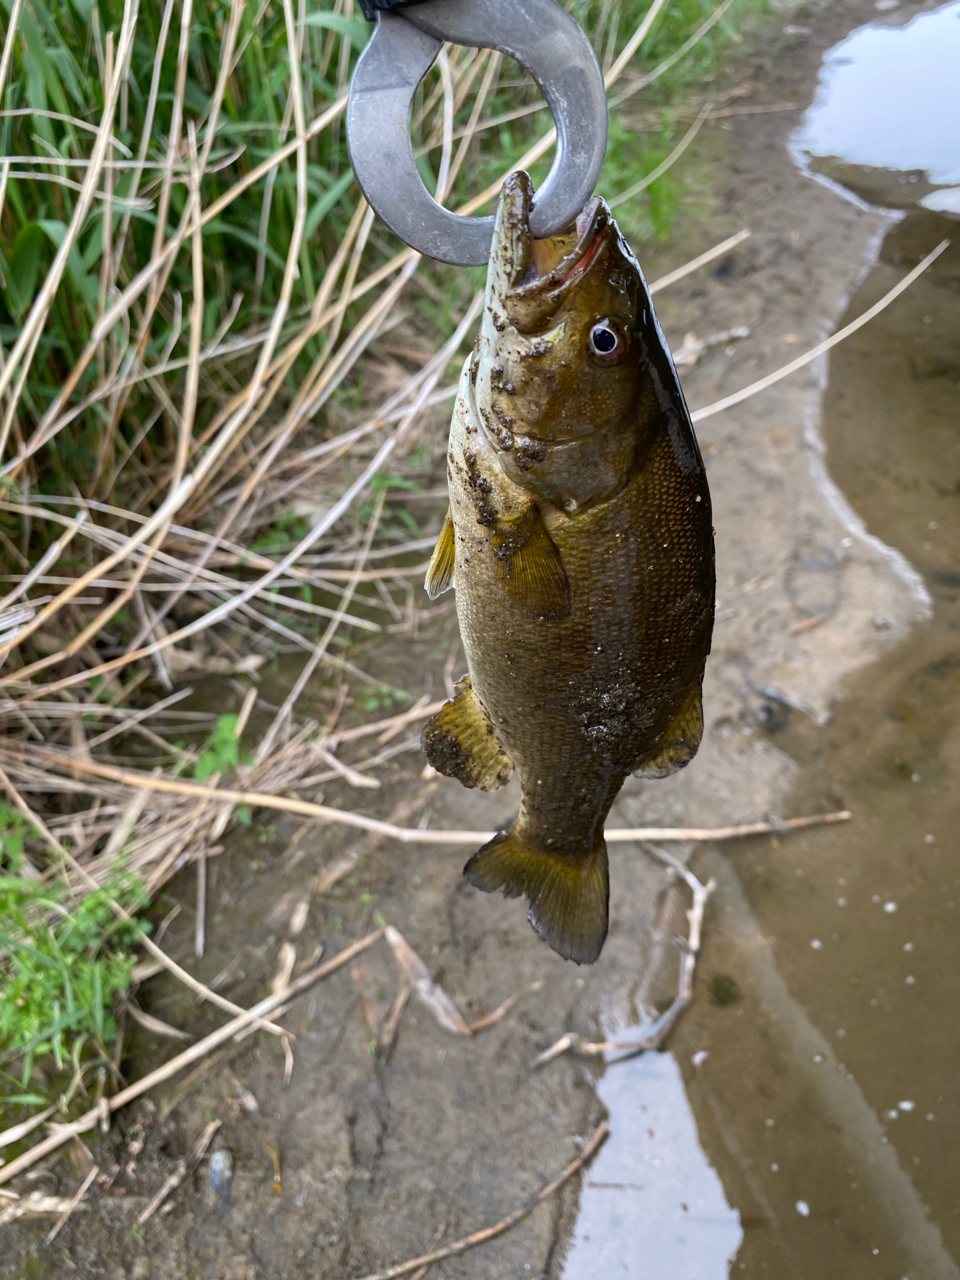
[[437, 1237], [71, 1207], [511, 1220], [18, 1131], [490, 1019], [651, 177], [416, 974], [410, 835], [200, 925], [184, 1167], [391, 1024], [761, 385], [156, 1025], [89, 1119], [694, 264], [205, 993]]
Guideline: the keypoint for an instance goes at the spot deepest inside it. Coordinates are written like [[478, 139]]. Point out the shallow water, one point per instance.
[[827, 1108], [653, 1205], [889, 98]]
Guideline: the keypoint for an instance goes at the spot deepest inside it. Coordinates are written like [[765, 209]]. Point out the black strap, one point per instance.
[[372, 7]]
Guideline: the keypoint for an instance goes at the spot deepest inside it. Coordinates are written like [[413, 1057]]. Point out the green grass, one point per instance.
[[63, 964]]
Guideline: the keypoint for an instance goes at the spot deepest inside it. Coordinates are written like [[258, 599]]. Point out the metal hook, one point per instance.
[[538, 34]]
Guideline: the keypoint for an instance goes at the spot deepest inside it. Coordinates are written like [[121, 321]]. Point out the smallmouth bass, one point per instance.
[[580, 544]]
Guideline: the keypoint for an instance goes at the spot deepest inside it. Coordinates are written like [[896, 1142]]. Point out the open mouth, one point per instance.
[[561, 260]]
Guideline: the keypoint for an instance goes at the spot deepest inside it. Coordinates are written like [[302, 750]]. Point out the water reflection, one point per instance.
[[889, 98], [653, 1206]]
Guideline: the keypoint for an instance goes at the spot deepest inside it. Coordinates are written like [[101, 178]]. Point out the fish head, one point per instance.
[[561, 352]]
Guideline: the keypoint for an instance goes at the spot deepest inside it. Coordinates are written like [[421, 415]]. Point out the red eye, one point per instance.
[[606, 342]]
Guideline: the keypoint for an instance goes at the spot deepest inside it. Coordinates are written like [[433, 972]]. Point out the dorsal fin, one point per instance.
[[443, 561]]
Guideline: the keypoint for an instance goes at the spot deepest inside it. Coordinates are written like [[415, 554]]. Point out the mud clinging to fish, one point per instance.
[[580, 545]]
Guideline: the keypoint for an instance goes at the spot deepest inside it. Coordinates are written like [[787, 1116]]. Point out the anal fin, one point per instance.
[[461, 743], [529, 567], [679, 744], [442, 562], [568, 895]]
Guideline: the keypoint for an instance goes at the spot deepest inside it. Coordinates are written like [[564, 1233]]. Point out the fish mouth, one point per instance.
[[528, 267]]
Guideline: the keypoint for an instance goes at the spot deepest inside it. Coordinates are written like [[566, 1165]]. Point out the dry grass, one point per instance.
[[207, 454]]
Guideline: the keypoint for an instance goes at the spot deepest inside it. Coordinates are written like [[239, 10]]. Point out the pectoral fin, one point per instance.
[[460, 742], [442, 562], [529, 566], [679, 744]]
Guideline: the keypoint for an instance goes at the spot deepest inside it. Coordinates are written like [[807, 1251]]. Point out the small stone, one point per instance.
[[803, 1209]]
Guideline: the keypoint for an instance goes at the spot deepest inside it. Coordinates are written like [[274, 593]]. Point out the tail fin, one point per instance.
[[568, 896]]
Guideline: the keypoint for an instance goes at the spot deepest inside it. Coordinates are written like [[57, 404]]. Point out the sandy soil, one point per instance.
[[452, 1133]]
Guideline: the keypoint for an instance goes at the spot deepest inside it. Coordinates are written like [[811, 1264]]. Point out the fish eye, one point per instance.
[[606, 342]]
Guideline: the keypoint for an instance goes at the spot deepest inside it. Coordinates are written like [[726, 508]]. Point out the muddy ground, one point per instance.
[[450, 1134]]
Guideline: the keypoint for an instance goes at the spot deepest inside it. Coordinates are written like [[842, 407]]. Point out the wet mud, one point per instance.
[[785, 1133]]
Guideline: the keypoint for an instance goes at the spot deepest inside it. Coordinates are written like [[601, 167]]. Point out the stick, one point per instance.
[[413, 835], [18, 1131], [72, 1206], [490, 1019], [89, 1119], [511, 1220], [695, 263], [181, 1171], [664, 165], [739, 396]]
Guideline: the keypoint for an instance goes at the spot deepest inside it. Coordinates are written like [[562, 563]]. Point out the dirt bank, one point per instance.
[[452, 1133]]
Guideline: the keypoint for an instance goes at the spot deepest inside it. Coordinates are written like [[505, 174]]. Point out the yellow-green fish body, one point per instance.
[[580, 544]]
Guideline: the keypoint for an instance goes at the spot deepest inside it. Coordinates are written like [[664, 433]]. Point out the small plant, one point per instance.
[[63, 963], [283, 533], [13, 831], [382, 697], [222, 752]]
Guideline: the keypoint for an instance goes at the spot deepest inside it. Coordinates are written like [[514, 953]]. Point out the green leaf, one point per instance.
[[87, 286], [328, 200], [245, 237], [355, 29], [25, 266]]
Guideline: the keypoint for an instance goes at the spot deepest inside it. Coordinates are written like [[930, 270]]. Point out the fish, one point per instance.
[[579, 541]]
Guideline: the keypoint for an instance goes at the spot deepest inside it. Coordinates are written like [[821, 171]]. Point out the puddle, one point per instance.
[[889, 98], [827, 1111], [653, 1204]]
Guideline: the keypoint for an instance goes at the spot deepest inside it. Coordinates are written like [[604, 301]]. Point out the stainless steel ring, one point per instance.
[[538, 34]]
